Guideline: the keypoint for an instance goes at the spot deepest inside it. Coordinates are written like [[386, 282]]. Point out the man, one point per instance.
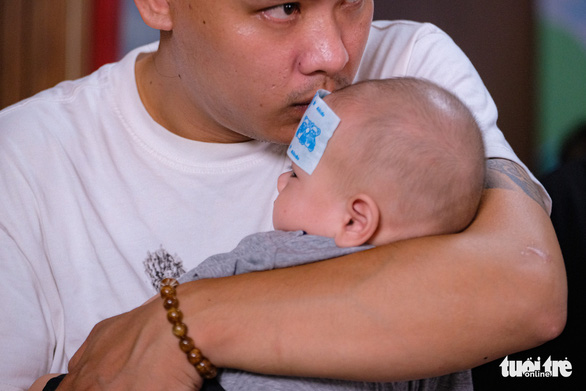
[[101, 178]]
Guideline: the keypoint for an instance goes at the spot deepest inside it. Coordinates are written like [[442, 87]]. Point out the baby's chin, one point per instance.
[[284, 227]]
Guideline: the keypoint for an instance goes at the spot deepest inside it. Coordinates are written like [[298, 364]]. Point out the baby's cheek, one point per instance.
[[277, 213], [283, 215]]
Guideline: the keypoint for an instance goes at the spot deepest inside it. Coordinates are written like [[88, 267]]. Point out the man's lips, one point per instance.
[[297, 110], [301, 106]]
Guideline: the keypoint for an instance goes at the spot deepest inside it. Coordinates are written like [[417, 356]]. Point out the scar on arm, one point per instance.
[[505, 174], [536, 251]]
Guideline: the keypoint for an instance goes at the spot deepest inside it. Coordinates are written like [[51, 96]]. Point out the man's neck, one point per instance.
[[164, 98]]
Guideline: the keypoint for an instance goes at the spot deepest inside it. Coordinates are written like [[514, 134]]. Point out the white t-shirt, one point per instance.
[[94, 191]]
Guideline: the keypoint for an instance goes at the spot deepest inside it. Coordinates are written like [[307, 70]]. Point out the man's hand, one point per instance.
[[413, 309], [135, 350]]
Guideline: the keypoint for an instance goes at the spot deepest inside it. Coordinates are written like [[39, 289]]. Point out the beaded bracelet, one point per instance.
[[204, 367]]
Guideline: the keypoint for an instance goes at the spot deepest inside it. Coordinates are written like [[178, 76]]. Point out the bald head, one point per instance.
[[413, 146]]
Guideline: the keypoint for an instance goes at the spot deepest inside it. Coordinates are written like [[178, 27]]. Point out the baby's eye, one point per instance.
[[282, 11], [293, 175]]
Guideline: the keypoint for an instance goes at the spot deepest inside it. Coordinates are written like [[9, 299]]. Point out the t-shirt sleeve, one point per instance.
[[403, 48], [27, 335], [29, 324]]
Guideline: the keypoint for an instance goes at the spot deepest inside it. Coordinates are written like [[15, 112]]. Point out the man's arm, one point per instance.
[[412, 309], [504, 174]]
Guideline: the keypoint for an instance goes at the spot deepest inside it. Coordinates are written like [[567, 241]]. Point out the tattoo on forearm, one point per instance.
[[505, 174]]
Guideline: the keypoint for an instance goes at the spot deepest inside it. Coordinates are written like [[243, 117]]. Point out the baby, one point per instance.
[[373, 163]]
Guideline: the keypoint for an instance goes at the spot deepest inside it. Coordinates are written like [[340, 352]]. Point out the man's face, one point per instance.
[[250, 67]]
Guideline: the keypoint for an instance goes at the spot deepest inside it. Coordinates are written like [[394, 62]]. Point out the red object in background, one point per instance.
[[105, 38]]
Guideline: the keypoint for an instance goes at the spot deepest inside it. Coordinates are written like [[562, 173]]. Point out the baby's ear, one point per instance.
[[155, 13], [361, 221]]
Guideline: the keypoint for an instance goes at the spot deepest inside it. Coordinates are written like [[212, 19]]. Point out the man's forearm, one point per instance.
[[413, 309]]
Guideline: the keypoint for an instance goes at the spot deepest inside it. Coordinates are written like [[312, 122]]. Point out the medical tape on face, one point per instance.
[[313, 133]]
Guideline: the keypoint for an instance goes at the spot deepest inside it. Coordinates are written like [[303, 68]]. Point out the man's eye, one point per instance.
[[282, 11]]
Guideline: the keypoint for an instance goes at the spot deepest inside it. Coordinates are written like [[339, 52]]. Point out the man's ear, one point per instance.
[[362, 218], [155, 13]]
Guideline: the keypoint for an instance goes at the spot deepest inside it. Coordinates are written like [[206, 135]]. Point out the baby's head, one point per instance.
[[406, 160]]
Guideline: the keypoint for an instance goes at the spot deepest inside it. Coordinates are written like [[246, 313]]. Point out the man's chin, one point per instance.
[[283, 137], [284, 140]]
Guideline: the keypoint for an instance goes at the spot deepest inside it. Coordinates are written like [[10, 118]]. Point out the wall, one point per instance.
[[42, 42], [561, 34]]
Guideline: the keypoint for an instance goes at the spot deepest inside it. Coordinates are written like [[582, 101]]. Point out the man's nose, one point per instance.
[[282, 181], [324, 50]]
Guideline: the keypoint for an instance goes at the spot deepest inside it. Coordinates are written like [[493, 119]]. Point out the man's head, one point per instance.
[[406, 160], [231, 70]]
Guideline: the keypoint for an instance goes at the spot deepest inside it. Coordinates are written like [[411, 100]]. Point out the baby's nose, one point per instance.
[[282, 181]]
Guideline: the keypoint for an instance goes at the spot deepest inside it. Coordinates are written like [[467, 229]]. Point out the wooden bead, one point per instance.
[[167, 291], [206, 369], [194, 356], [174, 315], [170, 302], [179, 330], [186, 344], [170, 282]]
